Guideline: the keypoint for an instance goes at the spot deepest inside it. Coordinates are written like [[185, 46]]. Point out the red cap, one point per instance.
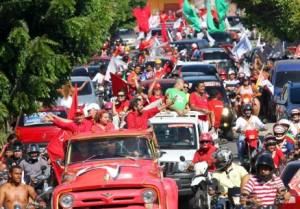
[[206, 137], [157, 86], [79, 111]]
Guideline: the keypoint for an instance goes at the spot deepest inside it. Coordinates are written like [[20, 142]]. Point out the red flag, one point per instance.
[[164, 33], [118, 84], [55, 150], [180, 3], [142, 16], [74, 105]]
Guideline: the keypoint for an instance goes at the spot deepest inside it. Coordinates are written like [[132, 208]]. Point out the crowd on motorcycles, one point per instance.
[[254, 176]]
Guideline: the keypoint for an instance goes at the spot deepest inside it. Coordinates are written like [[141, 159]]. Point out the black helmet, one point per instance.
[[223, 158], [18, 147], [264, 159], [247, 109], [32, 150]]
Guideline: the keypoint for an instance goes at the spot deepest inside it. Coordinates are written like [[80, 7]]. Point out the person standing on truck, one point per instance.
[[179, 97], [199, 102]]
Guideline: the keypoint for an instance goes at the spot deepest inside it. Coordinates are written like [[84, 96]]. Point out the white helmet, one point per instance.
[[279, 131], [223, 158], [285, 122]]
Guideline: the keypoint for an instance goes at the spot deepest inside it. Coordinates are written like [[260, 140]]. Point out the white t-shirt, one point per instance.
[[99, 78], [66, 102], [254, 122]]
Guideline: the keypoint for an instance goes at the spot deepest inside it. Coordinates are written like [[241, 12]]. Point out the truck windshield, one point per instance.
[[176, 136], [295, 95], [102, 148]]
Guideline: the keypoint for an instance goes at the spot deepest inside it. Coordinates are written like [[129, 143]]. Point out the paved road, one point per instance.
[[183, 202]]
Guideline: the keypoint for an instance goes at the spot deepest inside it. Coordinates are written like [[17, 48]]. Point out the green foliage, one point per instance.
[[41, 40], [279, 17]]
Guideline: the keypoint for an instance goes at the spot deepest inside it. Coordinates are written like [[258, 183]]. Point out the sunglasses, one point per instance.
[[271, 144], [204, 142], [121, 95]]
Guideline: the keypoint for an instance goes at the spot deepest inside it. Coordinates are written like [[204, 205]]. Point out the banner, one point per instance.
[[191, 16]]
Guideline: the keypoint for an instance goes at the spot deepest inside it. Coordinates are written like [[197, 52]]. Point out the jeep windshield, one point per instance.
[[110, 148], [176, 136]]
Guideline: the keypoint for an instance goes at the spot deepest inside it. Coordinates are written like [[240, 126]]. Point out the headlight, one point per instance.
[[225, 112], [149, 196], [66, 201]]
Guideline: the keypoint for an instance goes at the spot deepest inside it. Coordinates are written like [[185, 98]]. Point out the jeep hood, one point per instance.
[[133, 172]]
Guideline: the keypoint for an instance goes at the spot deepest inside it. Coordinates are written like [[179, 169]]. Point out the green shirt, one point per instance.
[[181, 98]]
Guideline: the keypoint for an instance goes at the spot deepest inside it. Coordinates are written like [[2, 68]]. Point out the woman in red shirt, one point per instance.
[[102, 122], [155, 92]]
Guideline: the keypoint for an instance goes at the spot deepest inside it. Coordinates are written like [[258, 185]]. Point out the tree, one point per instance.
[[280, 17], [40, 40]]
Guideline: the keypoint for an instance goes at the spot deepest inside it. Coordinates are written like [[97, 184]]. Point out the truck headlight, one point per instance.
[[66, 201], [149, 196], [225, 111]]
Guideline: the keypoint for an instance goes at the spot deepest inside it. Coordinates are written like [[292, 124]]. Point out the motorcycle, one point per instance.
[[251, 146], [205, 189]]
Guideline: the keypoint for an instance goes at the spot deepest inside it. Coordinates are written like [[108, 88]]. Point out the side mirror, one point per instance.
[[182, 158], [60, 162]]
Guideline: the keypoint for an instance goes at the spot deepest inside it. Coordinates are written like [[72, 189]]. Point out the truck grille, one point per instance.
[[169, 167]]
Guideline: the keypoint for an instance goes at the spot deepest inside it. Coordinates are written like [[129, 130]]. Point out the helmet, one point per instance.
[[286, 123], [223, 158], [33, 151], [194, 46], [206, 137], [264, 159], [279, 131], [157, 61], [295, 111], [17, 147], [231, 72], [247, 109], [269, 139]]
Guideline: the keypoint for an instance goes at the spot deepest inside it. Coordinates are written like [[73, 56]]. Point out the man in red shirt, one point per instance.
[[138, 118], [78, 125], [133, 78], [199, 102], [205, 153], [216, 106]]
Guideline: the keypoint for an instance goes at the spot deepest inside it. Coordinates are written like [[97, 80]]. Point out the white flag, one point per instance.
[[242, 47], [114, 65]]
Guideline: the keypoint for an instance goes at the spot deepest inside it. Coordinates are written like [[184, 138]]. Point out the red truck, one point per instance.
[[116, 169]]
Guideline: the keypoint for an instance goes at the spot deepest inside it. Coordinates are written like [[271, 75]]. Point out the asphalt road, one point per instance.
[[183, 201]]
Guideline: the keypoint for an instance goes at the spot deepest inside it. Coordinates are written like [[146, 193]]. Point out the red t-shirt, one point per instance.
[[140, 121], [160, 73], [276, 158], [217, 107], [84, 126], [108, 127], [132, 78], [153, 98], [206, 156], [120, 107], [200, 102]]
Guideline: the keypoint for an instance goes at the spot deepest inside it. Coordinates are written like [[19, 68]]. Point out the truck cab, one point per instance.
[[178, 139]]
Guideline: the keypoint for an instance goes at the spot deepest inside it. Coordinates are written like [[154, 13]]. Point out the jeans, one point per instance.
[[241, 147]]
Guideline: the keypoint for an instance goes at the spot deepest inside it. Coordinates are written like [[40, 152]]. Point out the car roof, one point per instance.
[[80, 78], [212, 50], [287, 65], [107, 134]]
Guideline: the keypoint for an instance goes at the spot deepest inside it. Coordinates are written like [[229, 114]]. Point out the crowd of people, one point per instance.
[[132, 107]]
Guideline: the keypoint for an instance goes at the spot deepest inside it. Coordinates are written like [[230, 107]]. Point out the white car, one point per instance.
[[178, 140]]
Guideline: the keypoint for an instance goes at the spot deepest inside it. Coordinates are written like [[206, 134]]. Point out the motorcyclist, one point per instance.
[[205, 152], [17, 156], [33, 164], [285, 143], [244, 122], [291, 130], [264, 187], [295, 119], [270, 145], [228, 173]]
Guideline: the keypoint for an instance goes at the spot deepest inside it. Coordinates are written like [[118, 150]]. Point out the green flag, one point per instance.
[[222, 7], [191, 15]]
